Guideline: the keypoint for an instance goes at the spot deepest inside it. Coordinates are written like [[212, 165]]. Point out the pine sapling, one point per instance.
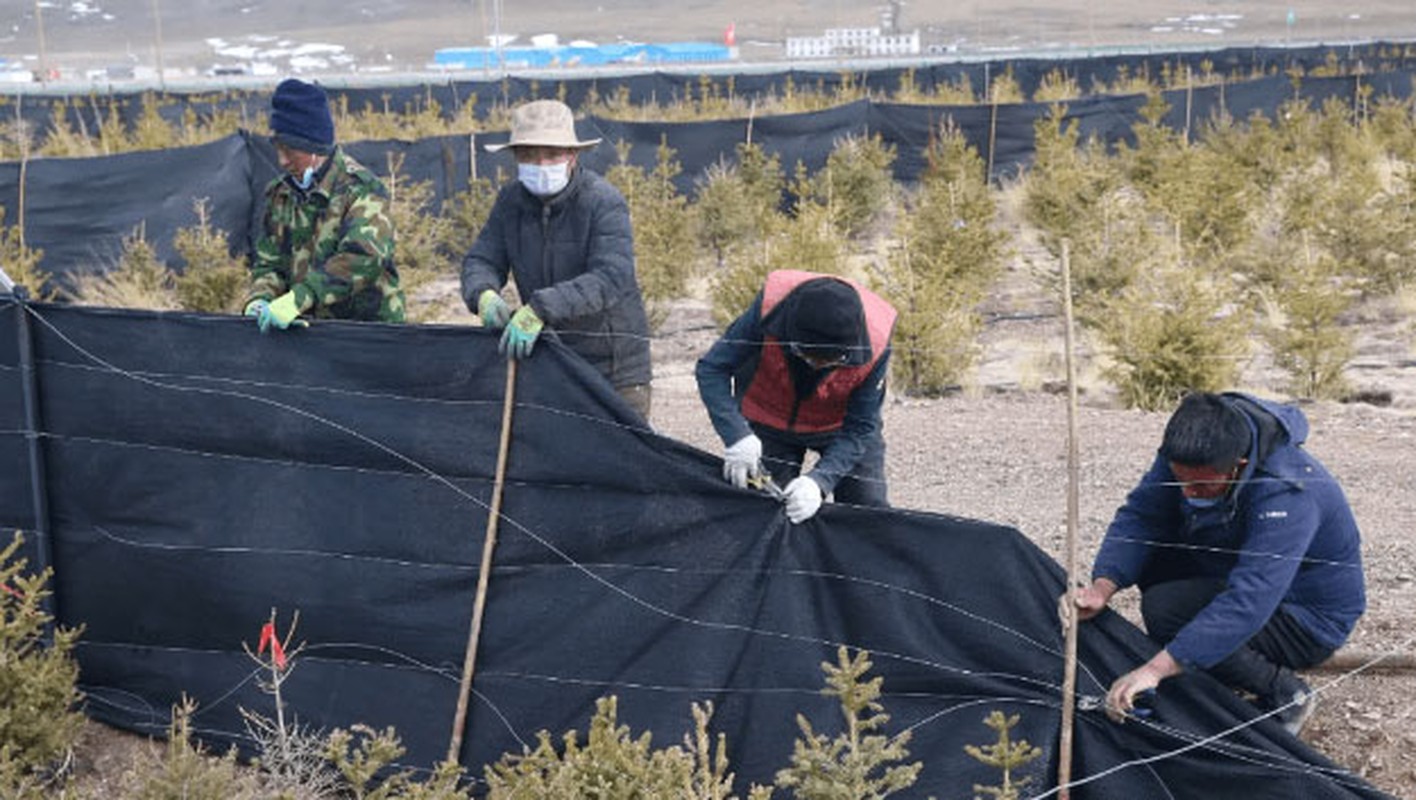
[[1005, 755], [857, 764]]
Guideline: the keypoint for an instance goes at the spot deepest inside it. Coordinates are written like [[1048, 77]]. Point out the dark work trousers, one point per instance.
[[783, 454], [1258, 665], [640, 398]]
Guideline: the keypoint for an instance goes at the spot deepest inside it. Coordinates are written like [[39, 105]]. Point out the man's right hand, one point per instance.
[[742, 460], [1090, 600], [493, 310]]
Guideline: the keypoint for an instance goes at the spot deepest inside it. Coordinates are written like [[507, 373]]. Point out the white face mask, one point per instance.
[[544, 180]]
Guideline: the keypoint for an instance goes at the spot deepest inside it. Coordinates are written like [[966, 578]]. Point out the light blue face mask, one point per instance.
[[1203, 502], [306, 180], [544, 180]]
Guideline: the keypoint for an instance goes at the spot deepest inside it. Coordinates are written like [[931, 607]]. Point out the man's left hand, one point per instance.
[[520, 334], [281, 313], [803, 499]]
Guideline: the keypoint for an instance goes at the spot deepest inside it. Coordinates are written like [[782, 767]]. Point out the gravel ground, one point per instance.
[[998, 453]]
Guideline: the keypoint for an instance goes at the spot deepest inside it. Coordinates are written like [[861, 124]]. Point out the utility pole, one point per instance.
[[157, 26], [39, 27]]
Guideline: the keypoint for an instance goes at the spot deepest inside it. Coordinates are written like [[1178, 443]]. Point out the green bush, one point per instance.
[[610, 763], [1307, 336], [858, 763], [138, 280], [948, 255], [1004, 755], [21, 262], [726, 220], [362, 754], [214, 281], [857, 184], [808, 241], [39, 721], [663, 227], [467, 212], [1170, 332], [185, 771], [424, 251], [1196, 194]]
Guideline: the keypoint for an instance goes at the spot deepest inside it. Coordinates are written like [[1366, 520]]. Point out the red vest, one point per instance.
[[771, 397]]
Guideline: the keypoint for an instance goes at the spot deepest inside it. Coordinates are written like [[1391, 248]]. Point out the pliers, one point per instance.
[[1143, 707], [763, 482]]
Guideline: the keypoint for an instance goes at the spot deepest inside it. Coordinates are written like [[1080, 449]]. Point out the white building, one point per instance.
[[853, 42]]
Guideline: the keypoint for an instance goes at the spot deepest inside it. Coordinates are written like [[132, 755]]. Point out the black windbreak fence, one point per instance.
[[196, 474], [79, 210]]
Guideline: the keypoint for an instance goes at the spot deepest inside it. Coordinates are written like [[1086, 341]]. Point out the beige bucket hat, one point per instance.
[[543, 123]]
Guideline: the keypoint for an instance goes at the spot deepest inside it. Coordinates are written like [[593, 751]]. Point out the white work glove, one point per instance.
[[803, 499], [742, 460]]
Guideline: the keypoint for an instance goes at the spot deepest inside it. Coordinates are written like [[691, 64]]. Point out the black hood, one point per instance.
[[823, 316]]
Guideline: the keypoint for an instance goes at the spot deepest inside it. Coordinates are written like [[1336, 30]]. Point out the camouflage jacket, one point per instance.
[[331, 245]]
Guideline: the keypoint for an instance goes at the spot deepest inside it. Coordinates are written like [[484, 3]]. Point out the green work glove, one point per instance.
[[493, 309], [278, 313], [520, 334]]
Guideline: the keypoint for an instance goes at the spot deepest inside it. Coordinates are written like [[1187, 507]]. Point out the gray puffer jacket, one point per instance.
[[573, 259]]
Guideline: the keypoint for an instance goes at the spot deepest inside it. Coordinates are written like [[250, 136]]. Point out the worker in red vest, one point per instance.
[[803, 369]]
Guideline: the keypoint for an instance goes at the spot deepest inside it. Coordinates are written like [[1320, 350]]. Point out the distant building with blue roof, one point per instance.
[[525, 57]]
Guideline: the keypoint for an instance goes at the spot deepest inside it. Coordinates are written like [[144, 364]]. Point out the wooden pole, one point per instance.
[[469, 661], [1069, 661], [39, 33], [157, 29], [1369, 663]]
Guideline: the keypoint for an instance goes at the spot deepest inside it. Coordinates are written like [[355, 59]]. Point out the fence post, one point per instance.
[[1069, 662], [39, 490]]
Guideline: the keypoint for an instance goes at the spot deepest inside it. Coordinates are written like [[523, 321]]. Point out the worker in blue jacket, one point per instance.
[[1245, 551]]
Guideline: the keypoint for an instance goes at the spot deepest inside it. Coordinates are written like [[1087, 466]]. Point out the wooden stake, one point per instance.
[[1069, 662], [469, 661]]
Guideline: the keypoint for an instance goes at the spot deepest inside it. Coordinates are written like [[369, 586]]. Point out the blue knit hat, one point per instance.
[[299, 115]]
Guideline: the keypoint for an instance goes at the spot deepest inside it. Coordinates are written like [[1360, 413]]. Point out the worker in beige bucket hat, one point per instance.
[[563, 233], [543, 123]]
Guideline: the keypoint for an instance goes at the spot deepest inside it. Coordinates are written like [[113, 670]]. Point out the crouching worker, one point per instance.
[[326, 249], [803, 369], [1245, 551]]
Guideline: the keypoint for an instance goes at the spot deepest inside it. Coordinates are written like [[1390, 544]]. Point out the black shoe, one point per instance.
[[1295, 704]]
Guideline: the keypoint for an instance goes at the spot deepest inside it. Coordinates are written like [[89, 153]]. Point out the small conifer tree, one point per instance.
[[857, 764], [726, 220], [185, 770], [948, 256], [39, 721], [663, 227], [857, 184], [1004, 755], [214, 280], [1171, 332], [807, 241], [139, 280], [21, 262]]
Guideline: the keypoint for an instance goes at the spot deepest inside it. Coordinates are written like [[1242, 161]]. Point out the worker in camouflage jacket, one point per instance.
[[327, 246]]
